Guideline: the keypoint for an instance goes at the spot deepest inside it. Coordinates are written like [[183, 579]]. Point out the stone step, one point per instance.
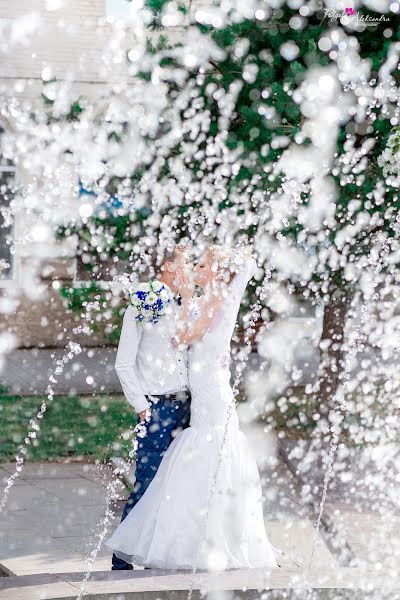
[[229, 585]]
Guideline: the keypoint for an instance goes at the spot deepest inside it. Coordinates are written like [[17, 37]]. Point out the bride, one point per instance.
[[203, 508]]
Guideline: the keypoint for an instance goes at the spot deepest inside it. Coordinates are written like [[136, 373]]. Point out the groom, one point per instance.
[[153, 376]]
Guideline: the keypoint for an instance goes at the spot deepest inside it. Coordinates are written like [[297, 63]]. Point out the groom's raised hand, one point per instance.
[[184, 284]]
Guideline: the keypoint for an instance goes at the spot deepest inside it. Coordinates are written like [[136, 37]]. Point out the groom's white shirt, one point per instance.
[[147, 363]]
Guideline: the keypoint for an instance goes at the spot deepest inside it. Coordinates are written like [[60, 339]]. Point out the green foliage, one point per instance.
[[77, 297], [77, 107], [156, 6], [107, 319], [265, 109], [256, 123]]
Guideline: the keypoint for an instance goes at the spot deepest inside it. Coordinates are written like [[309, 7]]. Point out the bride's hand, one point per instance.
[[177, 343]]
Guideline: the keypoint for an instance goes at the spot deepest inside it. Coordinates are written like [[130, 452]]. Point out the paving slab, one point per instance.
[[51, 523], [374, 538], [35, 471], [295, 538], [51, 536], [84, 546], [76, 491], [228, 585], [23, 497], [72, 565], [55, 520], [101, 474], [361, 512], [4, 476], [37, 587], [58, 519]]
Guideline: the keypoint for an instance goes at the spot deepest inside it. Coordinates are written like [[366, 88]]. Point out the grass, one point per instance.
[[93, 427], [96, 427]]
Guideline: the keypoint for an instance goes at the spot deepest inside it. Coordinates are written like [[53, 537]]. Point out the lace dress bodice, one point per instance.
[[209, 359]]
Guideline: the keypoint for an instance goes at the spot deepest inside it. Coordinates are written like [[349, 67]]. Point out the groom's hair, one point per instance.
[[169, 254], [166, 256]]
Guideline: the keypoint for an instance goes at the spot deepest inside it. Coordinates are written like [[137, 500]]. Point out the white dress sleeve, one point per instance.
[[247, 270], [125, 363]]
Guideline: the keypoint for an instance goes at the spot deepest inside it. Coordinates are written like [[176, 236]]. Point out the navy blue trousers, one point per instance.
[[168, 418]]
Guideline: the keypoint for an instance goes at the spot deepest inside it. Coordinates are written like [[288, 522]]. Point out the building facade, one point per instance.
[[45, 40]]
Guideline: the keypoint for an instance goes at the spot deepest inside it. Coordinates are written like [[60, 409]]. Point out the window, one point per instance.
[[7, 182], [97, 260], [117, 9]]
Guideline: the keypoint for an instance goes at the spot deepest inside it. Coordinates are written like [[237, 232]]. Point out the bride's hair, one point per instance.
[[224, 263]]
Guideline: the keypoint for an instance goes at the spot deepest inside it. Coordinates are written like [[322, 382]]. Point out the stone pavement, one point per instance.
[[362, 510], [52, 515], [54, 510], [256, 584]]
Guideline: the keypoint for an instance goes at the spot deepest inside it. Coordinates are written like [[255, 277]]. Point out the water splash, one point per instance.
[[254, 313], [340, 402], [112, 495], [73, 350]]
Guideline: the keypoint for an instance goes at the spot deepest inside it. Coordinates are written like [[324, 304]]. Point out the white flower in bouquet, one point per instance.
[[135, 309], [164, 294], [151, 298], [156, 286], [144, 287]]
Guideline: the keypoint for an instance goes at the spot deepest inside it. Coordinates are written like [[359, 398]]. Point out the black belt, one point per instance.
[[176, 397]]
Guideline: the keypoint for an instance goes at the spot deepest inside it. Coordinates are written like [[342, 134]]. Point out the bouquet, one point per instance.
[[151, 301]]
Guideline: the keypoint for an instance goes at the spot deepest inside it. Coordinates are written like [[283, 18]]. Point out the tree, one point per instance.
[[246, 142], [270, 58]]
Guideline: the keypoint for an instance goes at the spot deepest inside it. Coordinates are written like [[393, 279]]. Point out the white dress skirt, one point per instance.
[[203, 508]]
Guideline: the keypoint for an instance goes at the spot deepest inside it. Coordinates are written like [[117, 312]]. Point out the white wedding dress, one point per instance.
[[183, 521]]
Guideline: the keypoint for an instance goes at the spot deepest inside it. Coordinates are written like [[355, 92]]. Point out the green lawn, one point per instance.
[[79, 427]]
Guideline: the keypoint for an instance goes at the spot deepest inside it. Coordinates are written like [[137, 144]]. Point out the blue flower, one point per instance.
[[141, 295]]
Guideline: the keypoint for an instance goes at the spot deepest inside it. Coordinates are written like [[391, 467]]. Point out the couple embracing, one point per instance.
[[196, 503]]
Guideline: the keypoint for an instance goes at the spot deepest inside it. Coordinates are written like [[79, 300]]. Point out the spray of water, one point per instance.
[[112, 495], [240, 367], [337, 415], [34, 424], [206, 214]]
